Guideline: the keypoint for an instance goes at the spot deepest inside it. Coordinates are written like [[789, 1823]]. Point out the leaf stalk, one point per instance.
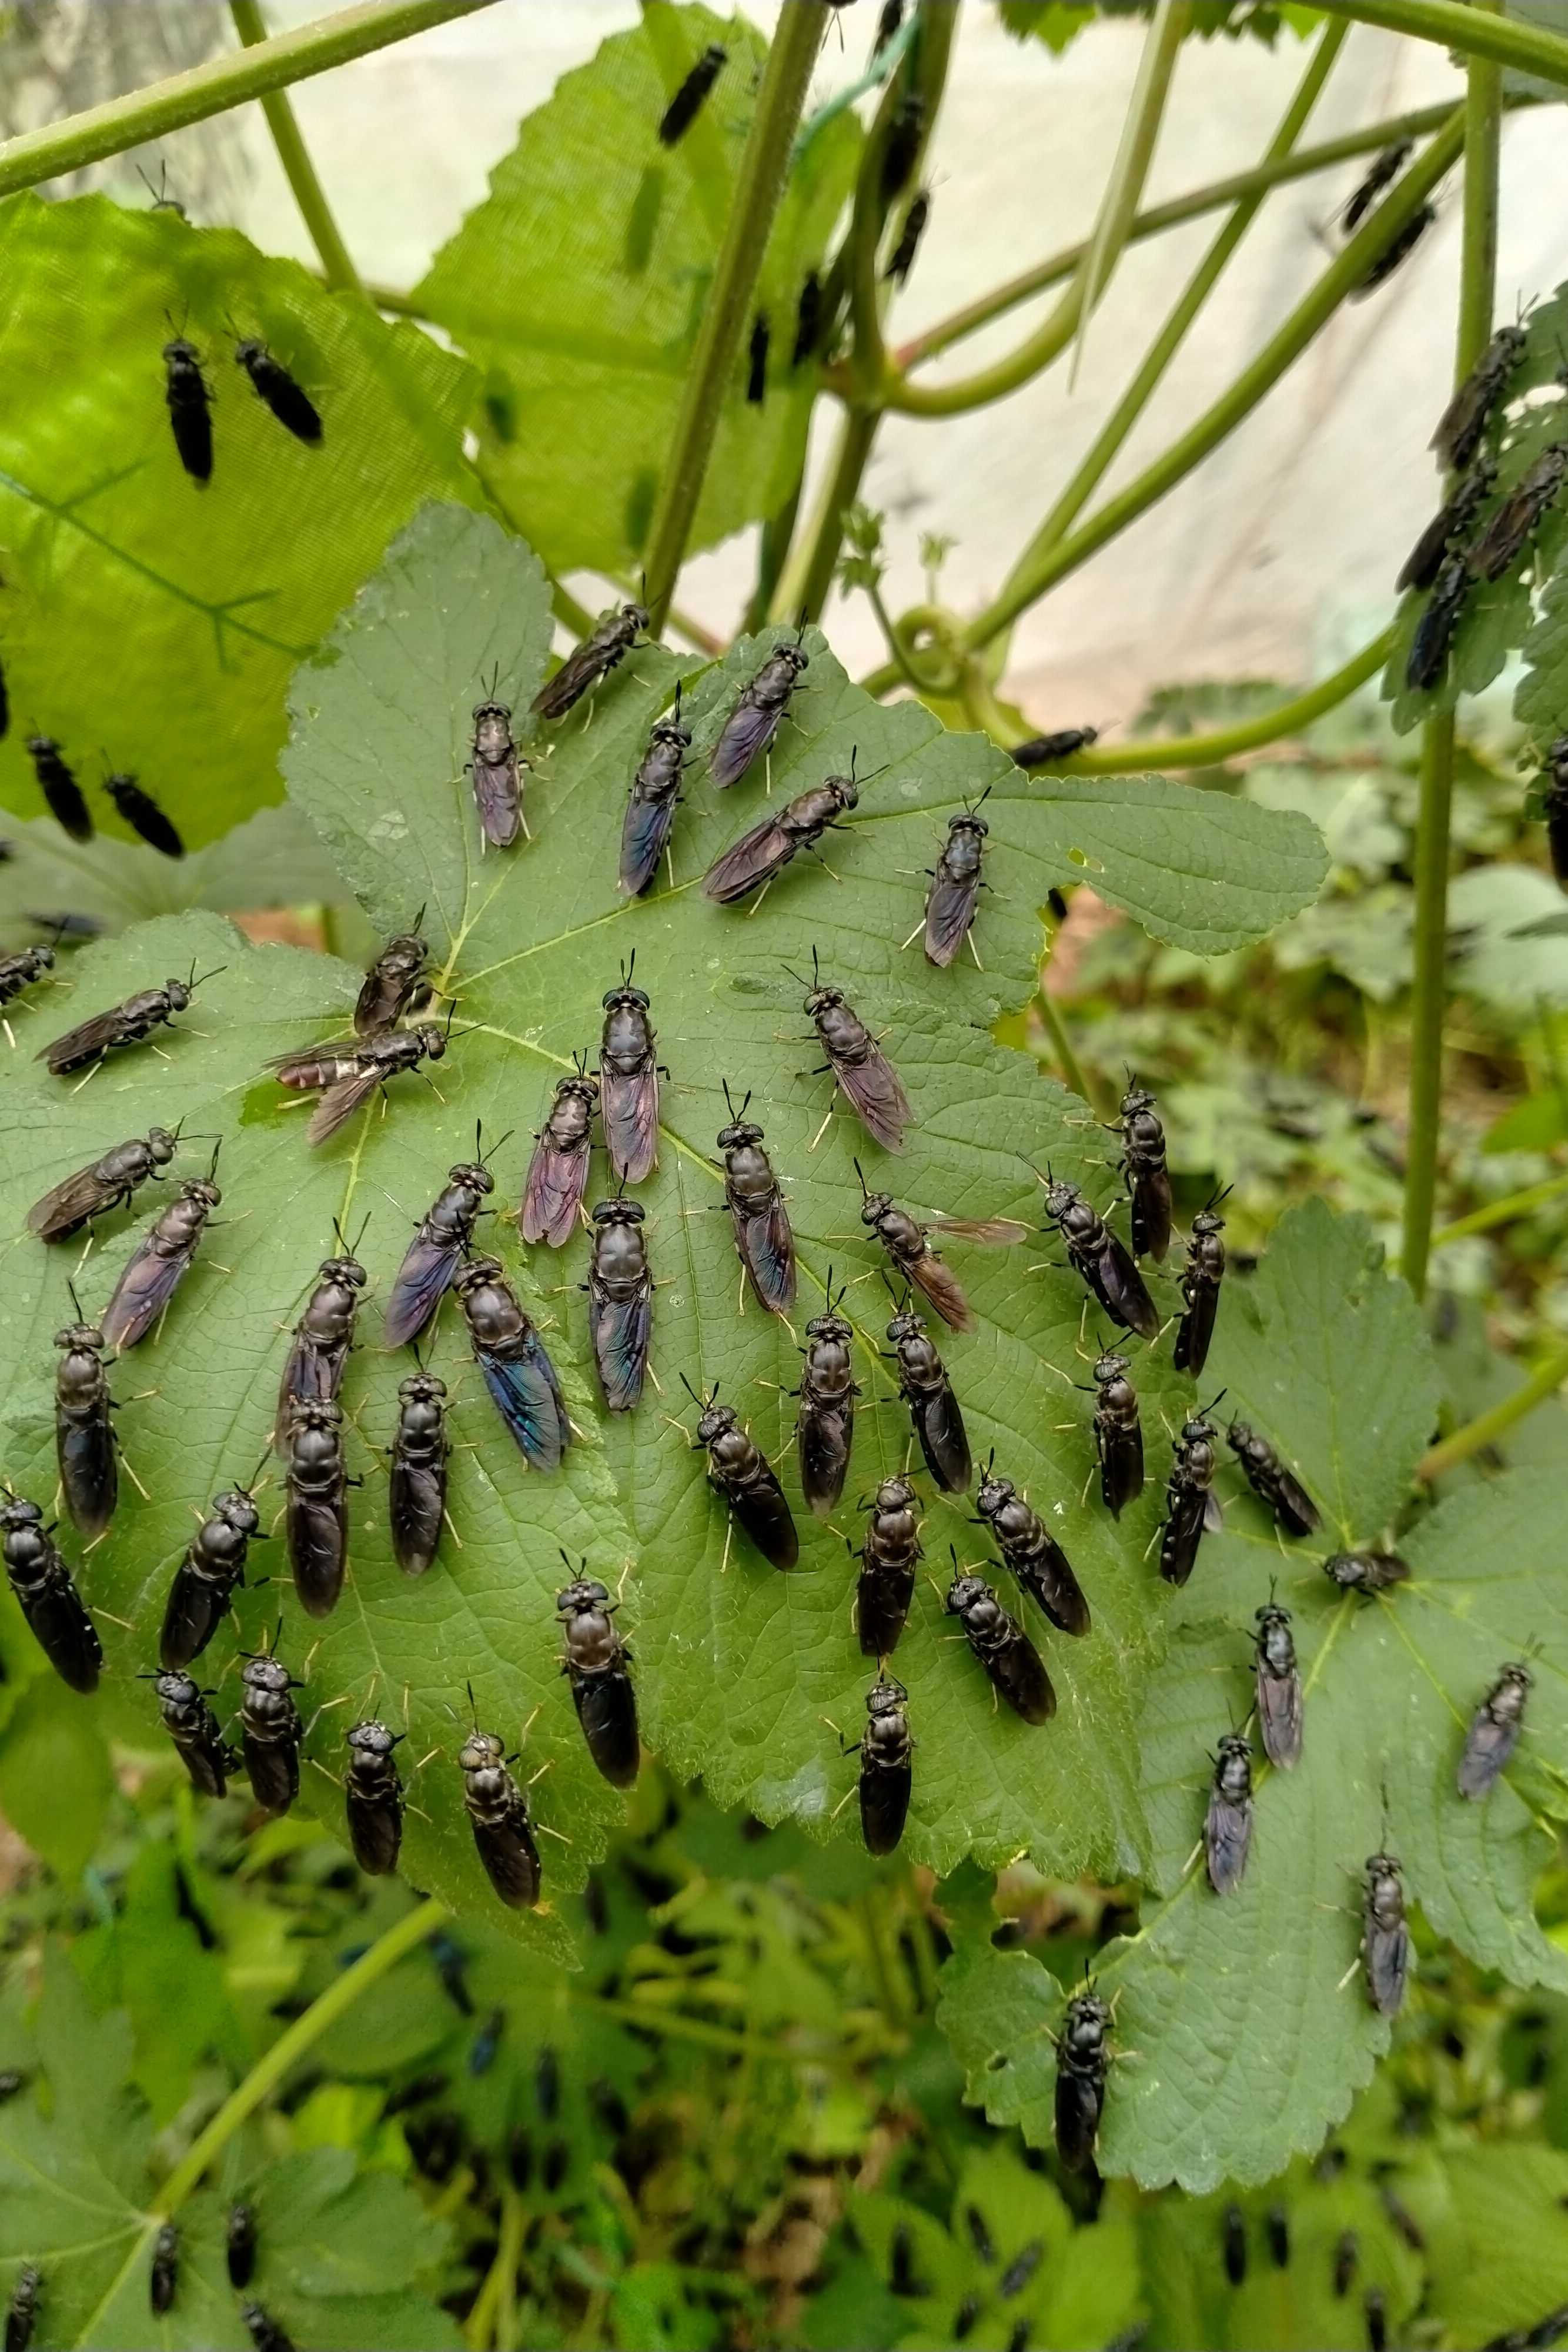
[[1488, 1427], [337, 264]]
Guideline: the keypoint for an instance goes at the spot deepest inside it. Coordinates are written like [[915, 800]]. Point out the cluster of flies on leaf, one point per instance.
[[240, 2242]]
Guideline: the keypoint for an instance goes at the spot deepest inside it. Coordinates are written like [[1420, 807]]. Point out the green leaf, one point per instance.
[[139, 602], [272, 859], [1503, 2262], [579, 284], [56, 1780], [742, 1675]]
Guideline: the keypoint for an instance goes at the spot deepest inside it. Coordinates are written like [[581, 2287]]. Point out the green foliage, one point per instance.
[[1058, 23], [151, 621], [579, 284], [381, 734]]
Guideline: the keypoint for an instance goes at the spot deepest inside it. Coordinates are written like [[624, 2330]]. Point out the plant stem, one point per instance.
[[1483, 125], [1046, 273], [1500, 1212], [693, 2029], [291, 2045], [1249, 735], [1111, 229], [1056, 1030], [758, 188], [1038, 568], [1489, 1426], [309, 193], [1475, 31], [805, 579], [1101, 453], [214, 88]]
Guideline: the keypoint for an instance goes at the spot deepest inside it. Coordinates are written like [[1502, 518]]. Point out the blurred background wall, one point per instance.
[[1273, 561]]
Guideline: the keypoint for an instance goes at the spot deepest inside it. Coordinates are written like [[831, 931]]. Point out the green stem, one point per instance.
[[1249, 735], [901, 660], [1500, 1212], [1112, 230], [1212, 198], [1467, 29], [309, 193], [1040, 567], [291, 2045], [758, 188], [1486, 1426], [1101, 453], [805, 579], [692, 2029], [214, 88], [1056, 1030], [1428, 995]]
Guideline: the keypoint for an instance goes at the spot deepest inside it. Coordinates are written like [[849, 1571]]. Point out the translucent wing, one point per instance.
[[607, 1710], [146, 1283], [998, 1232], [1120, 1290], [1196, 1329], [767, 1248], [196, 1607], [317, 1065], [510, 1857], [645, 830], [1280, 1716], [1018, 1672], [747, 731], [1388, 1966], [572, 681], [553, 1193], [1227, 1840], [939, 1426], [422, 1282], [630, 1108], [67, 1208], [754, 859], [1295, 1506], [66, 1633], [83, 1044], [880, 1102], [1121, 1468], [416, 1498], [949, 912], [1489, 1746], [1151, 1213], [882, 1607], [318, 1550], [1049, 1579], [825, 1434], [528, 1398], [497, 796], [943, 1288], [620, 1329], [1183, 1533], [340, 1101]]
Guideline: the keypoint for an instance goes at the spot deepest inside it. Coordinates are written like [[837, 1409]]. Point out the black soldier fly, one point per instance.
[[496, 768], [189, 399], [22, 2310], [1233, 2244], [67, 800], [126, 1023], [1367, 1571], [1032, 1553], [1118, 1433], [372, 1797], [1279, 1686], [908, 1246], [905, 133], [629, 1080], [1190, 1505], [655, 794], [1449, 527], [1434, 634], [755, 718], [886, 1773], [346, 1076], [315, 1487], [1498, 544], [1554, 797], [273, 384], [487, 2043], [740, 1471], [395, 984], [498, 1812], [887, 23], [901, 260], [857, 1064], [1375, 2311], [416, 1492], [206, 1580], [239, 2245], [195, 1732], [1386, 1938], [1277, 2229], [1399, 247], [759, 856], [924, 1385], [1293, 1507], [824, 1431], [596, 1664], [619, 1302], [558, 1173], [451, 1962], [546, 2083], [313, 1368], [1015, 1666], [592, 660], [1385, 166], [1348, 2253], [1457, 433], [143, 815], [1100, 1258], [1201, 1278], [441, 1240], [84, 1433], [956, 886], [159, 1263], [807, 319], [757, 361], [50, 1602], [687, 104], [163, 2277], [1041, 750], [1143, 1165], [760, 1220], [270, 1732], [20, 970], [514, 1364], [888, 1559], [1083, 2062], [1494, 1732], [1228, 1825], [264, 2331]]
